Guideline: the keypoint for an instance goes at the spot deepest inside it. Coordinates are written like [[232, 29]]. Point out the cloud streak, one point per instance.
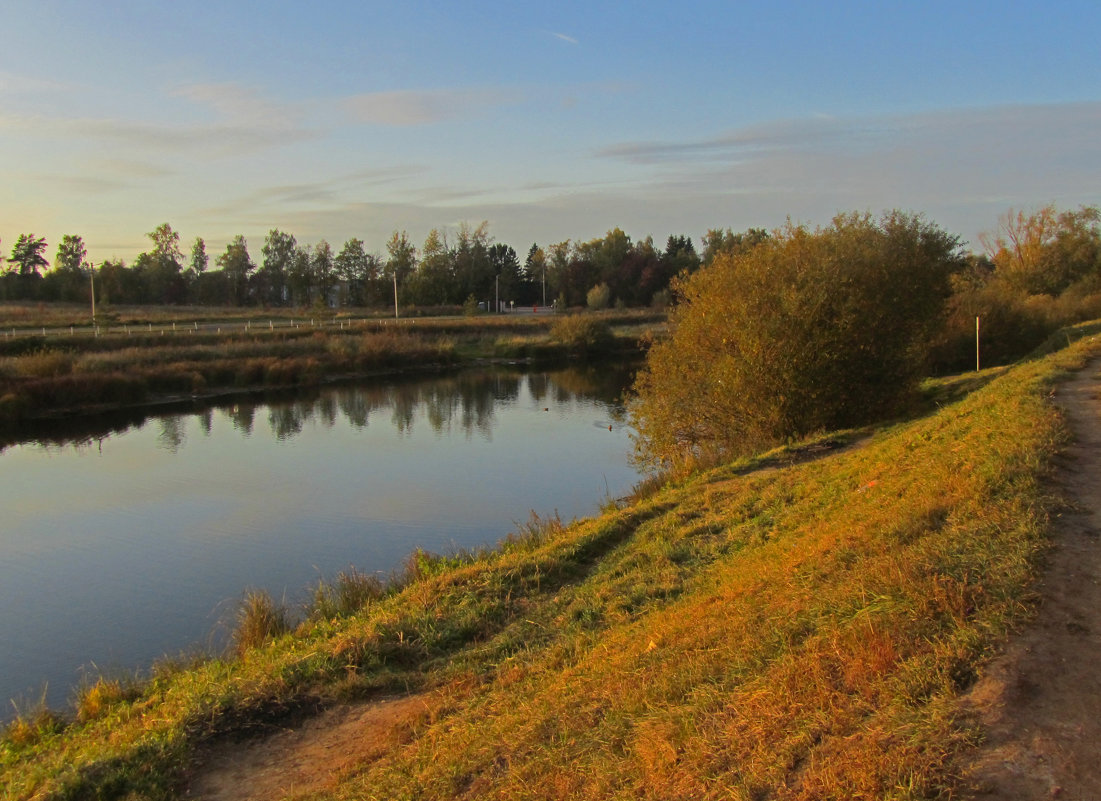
[[564, 37], [961, 166], [413, 108], [241, 122], [1080, 122]]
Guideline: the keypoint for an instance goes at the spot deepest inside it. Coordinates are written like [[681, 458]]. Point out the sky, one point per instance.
[[335, 119]]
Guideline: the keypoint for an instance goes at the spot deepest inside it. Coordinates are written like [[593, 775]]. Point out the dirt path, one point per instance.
[[313, 756], [1041, 700]]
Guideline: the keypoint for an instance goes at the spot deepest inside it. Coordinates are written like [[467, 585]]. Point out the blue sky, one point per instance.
[[338, 119]]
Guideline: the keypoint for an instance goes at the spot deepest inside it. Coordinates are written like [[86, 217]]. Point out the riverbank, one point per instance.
[[801, 624], [135, 363]]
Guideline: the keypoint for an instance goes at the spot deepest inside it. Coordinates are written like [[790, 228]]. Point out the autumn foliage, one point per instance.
[[806, 331]]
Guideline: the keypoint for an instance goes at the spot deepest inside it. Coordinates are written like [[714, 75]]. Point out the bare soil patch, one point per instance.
[[312, 756], [1040, 701]]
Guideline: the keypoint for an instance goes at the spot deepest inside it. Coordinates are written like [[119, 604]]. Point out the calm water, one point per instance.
[[117, 548]]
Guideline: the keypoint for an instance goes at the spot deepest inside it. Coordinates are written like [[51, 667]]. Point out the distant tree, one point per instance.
[[71, 254], [640, 274], [236, 265], [27, 253], [717, 241], [160, 269], [558, 265], [199, 260], [323, 270], [279, 254], [68, 280], [166, 245], [358, 269], [472, 268], [1045, 252], [679, 256], [22, 280], [806, 331], [116, 283], [535, 274], [505, 264], [299, 277], [401, 259], [434, 282]]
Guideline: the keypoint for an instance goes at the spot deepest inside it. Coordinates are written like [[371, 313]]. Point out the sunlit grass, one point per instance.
[[782, 626]]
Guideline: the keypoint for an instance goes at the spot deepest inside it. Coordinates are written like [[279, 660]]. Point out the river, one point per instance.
[[130, 540]]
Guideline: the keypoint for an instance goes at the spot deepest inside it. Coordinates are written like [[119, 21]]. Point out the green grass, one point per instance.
[[778, 627]]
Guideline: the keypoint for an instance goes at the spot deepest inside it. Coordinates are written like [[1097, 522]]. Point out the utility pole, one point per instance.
[[92, 278], [395, 293]]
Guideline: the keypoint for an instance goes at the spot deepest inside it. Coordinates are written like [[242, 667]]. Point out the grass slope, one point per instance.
[[772, 628]]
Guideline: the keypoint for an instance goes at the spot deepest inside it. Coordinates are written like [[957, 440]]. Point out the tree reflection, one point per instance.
[[462, 402], [172, 432], [356, 405], [242, 414], [285, 420], [326, 409]]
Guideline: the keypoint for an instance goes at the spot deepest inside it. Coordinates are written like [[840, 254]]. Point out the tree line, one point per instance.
[[449, 269]]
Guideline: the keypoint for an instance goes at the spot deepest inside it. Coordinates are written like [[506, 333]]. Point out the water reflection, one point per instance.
[[137, 529], [462, 402]]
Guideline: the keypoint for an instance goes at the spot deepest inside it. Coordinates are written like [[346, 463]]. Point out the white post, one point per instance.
[[976, 344]]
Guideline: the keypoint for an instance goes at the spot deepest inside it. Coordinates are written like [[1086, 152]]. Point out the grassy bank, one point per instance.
[[46, 375], [797, 625]]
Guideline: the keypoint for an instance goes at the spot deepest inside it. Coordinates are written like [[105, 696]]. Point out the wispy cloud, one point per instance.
[[236, 104], [133, 168], [564, 37], [961, 166], [297, 197], [240, 121], [406, 108], [17, 83], [983, 127]]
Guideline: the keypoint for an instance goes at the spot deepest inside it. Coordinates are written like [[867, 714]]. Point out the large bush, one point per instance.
[[809, 330]]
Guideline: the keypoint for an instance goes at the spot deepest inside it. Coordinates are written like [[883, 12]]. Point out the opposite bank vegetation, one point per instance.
[[149, 356], [796, 624]]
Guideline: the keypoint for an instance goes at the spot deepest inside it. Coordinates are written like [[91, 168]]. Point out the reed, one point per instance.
[[259, 619]]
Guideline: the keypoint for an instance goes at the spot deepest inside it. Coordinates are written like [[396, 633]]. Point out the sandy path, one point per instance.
[[1041, 700], [313, 756]]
